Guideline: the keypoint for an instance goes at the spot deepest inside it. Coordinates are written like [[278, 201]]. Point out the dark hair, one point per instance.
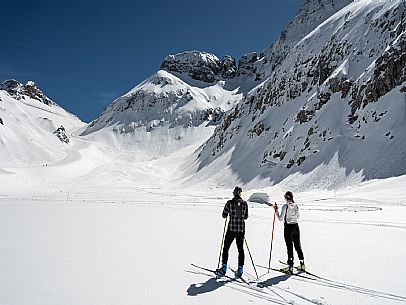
[[237, 191], [289, 196]]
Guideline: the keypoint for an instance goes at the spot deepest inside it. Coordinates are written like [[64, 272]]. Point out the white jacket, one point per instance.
[[291, 210]]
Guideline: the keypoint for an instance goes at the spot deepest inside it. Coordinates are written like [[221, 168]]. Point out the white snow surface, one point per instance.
[[110, 228], [26, 136], [102, 225]]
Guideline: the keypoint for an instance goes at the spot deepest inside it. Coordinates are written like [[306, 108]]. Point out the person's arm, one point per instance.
[[297, 212], [246, 210], [280, 216], [226, 210]]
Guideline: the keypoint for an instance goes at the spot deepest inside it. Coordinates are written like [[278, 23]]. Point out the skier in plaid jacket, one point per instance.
[[237, 209]]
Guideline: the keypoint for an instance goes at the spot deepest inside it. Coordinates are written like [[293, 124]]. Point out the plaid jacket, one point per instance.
[[238, 211]]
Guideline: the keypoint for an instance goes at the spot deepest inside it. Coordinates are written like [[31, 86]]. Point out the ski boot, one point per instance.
[[221, 271], [287, 270], [239, 271], [302, 265]]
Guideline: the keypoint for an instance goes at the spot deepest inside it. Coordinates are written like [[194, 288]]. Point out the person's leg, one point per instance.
[[227, 243], [240, 245], [296, 243], [289, 243]]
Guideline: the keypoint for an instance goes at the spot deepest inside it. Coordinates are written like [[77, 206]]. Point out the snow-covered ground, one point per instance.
[[125, 231]]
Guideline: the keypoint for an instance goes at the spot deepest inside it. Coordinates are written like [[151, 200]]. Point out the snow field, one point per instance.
[[139, 251]]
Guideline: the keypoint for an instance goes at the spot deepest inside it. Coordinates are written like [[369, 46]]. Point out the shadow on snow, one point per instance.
[[208, 286]]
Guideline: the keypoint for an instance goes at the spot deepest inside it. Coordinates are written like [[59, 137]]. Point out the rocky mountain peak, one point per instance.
[[20, 91], [247, 64], [311, 14], [201, 66]]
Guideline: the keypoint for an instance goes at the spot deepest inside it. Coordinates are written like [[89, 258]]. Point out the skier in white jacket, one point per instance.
[[290, 214]]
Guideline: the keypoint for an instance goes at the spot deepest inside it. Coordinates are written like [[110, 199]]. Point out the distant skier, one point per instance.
[[237, 208], [290, 215]]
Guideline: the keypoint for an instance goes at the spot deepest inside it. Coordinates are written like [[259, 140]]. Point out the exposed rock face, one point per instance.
[[201, 66], [389, 72], [247, 66], [1, 121], [208, 68], [312, 14], [228, 67], [325, 84], [61, 134], [19, 91]]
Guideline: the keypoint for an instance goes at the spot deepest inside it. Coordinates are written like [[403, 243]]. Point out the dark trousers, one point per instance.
[[292, 238], [239, 236]]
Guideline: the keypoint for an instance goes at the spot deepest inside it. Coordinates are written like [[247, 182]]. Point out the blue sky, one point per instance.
[[84, 54]]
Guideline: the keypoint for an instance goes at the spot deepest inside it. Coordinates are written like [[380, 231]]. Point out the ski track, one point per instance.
[[244, 288], [321, 281], [213, 207], [273, 289], [310, 280]]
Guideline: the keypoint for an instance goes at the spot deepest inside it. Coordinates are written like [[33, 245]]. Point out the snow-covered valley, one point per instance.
[[131, 241], [107, 227]]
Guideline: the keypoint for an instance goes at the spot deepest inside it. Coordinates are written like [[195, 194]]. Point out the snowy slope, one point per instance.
[[30, 129], [163, 114], [332, 112], [311, 14], [329, 107], [40, 150]]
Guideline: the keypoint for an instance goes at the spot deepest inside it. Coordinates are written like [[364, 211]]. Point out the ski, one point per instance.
[[286, 273], [253, 290], [339, 285], [220, 276], [239, 277], [302, 271]]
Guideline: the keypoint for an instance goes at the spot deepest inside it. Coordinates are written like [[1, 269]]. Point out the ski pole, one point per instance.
[[270, 252], [252, 261], [222, 242]]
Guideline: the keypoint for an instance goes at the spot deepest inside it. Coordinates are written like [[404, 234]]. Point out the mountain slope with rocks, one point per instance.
[[177, 106], [332, 110], [34, 130], [323, 106]]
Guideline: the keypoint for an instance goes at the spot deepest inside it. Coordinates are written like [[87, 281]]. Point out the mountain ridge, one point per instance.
[[329, 65], [319, 107]]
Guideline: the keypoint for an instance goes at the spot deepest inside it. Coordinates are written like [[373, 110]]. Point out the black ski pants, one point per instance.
[[230, 236], [292, 238]]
